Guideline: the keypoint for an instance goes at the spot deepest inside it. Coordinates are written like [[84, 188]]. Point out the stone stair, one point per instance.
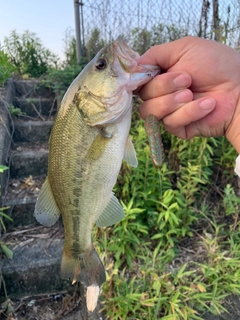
[[28, 156], [34, 270], [36, 250]]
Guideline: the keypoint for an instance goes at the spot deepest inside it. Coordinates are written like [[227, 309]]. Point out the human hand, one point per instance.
[[198, 95]]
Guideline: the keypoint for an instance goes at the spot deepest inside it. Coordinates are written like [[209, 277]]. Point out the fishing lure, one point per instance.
[[154, 138]]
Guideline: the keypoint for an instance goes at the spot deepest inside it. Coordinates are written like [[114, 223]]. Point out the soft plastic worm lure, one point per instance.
[[155, 142]]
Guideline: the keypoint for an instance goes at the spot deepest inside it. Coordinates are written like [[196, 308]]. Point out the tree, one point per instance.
[[28, 55], [94, 44], [70, 47], [141, 40]]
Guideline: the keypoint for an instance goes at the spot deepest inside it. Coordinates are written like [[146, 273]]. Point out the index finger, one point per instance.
[[167, 54], [164, 84]]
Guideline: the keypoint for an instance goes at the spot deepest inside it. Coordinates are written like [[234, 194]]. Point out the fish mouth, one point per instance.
[[123, 50], [128, 59]]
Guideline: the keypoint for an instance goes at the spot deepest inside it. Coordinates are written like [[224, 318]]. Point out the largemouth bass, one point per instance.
[[88, 142]]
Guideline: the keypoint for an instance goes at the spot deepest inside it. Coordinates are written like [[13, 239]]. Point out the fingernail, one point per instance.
[[181, 81], [183, 96], [207, 104]]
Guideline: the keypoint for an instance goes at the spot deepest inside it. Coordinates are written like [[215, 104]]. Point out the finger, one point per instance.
[[184, 121], [167, 54], [164, 84], [162, 106]]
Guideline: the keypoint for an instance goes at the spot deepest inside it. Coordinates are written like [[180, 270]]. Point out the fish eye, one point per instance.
[[101, 64]]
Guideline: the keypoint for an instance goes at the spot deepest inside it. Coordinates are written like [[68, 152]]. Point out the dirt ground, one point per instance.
[[63, 306], [58, 306]]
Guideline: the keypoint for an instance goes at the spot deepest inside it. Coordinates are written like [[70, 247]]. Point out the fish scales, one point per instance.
[[88, 142]]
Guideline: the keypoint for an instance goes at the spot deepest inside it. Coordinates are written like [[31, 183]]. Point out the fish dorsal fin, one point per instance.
[[46, 211], [130, 153], [112, 214]]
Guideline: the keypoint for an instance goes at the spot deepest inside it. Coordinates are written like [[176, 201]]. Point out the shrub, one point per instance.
[[6, 67], [28, 55]]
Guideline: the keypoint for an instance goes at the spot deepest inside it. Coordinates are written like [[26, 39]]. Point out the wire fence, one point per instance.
[[156, 21]]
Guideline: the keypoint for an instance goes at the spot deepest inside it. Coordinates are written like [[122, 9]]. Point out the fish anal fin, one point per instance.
[[46, 210], [130, 153], [112, 214]]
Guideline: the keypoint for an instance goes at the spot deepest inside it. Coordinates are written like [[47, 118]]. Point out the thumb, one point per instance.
[[167, 54]]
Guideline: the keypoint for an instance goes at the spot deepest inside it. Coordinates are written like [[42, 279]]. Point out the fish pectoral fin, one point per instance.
[[112, 214], [130, 153], [46, 210]]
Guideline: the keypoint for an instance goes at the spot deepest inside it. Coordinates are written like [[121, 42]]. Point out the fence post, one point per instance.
[[78, 30]]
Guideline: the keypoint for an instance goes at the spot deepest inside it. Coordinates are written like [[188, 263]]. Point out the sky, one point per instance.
[[49, 19]]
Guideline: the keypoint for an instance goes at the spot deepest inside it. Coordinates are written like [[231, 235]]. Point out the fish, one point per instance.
[[88, 141]]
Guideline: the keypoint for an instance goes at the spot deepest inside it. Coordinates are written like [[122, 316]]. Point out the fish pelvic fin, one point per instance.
[[130, 154], [112, 214], [46, 210], [87, 268]]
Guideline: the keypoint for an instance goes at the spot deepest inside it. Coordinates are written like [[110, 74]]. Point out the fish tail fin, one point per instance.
[[86, 268]]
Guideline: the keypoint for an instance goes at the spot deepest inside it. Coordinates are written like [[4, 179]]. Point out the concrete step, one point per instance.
[[35, 267], [21, 197], [30, 160], [21, 214], [34, 272], [36, 107], [32, 89], [32, 131]]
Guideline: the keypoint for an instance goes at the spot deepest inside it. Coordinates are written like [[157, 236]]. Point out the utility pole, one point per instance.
[[78, 30]]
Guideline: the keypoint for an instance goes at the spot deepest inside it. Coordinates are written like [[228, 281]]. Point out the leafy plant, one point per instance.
[[70, 48], [143, 38], [94, 44], [151, 272], [153, 290], [28, 55], [3, 168], [125, 238], [6, 67], [14, 111]]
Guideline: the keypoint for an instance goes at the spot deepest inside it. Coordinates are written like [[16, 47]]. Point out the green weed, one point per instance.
[[6, 67], [14, 111], [151, 272]]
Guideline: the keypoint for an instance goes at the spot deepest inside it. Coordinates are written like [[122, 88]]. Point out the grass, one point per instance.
[[176, 255]]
